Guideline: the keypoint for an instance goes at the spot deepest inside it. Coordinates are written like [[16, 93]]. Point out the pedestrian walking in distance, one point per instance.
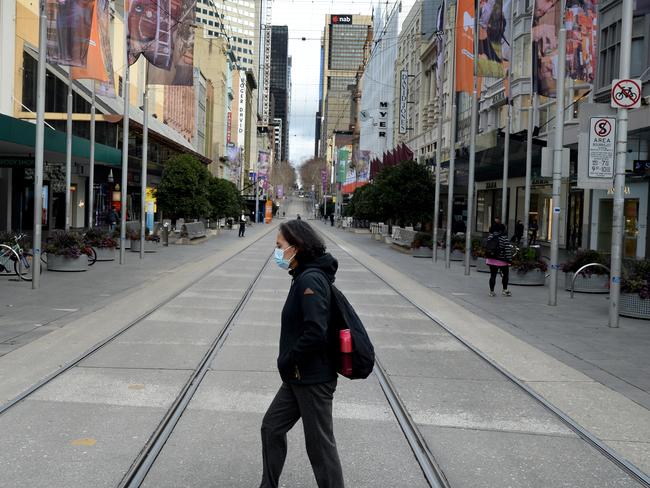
[[306, 361], [498, 251], [242, 225]]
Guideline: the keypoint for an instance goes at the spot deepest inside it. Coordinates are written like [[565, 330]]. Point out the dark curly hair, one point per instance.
[[304, 238]]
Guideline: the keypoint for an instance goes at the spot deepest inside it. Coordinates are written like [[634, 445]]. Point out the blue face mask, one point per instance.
[[279, 258]]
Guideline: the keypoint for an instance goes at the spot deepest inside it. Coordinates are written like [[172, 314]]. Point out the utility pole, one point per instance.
[[619, 178], [557, 160], [472, 148], [436, 202], [506, 142], [68, 153], [532, 114], [91, 176], [143, 172], [39, 145]]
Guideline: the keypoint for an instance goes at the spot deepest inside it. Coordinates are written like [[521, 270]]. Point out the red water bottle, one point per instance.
[[345, 340]]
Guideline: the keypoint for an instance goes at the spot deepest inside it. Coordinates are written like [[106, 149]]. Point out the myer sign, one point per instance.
[[403, 101]]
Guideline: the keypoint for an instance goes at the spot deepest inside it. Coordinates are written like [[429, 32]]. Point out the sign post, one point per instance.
[[626, 94]]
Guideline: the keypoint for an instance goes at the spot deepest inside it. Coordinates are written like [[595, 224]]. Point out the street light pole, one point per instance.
[[143, 173], [452, 144], [68, 153], [436, 201], [619, 179], [506, 142], [125, 135], [91, 176]]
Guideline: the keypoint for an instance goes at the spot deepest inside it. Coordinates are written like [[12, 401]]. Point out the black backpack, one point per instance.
[[343, 316], [491, 245]]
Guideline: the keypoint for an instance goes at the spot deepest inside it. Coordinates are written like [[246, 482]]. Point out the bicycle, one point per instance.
[[14, 257]]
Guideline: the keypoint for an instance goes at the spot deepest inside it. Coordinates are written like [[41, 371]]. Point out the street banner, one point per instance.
[[465, 46], [440, 43], [279, 192], [581, 23], [99, 66], [323, 179], [263, 168], [163, 32], [358, 175], [344, 155], [268, 214], [492, 39], [68, 31]]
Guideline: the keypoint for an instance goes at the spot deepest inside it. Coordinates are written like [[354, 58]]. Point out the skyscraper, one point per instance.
[[280, 91], [344, 49]]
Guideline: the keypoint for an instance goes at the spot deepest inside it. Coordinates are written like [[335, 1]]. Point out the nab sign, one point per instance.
[[341, 19]]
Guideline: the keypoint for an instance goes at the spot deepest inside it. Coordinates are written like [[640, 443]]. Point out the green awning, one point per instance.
[[18, 138]]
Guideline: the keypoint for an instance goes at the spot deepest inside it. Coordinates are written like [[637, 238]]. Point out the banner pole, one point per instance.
[[472, 148], [436, 200], [39, 145], [125, 135], [143, 174], [452, 142], [619, 179], [91, 186], [68, 154], [557, 162], [532, 114], [506, 142]]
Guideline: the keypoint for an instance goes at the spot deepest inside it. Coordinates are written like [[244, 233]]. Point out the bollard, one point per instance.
[[165, 234]]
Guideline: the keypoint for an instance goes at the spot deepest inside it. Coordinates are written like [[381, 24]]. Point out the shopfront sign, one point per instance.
[[383, 118], [641, 167], [241, 114], [403, 101], [341, 19], [602, 147]]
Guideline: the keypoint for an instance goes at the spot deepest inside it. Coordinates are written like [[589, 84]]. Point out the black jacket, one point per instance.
[[307, 345]]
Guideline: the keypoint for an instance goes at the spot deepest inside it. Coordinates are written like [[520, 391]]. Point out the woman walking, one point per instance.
[[306, 360], [499, 257]]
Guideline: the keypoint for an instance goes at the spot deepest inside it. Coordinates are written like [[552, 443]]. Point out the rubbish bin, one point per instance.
[[165, 234]]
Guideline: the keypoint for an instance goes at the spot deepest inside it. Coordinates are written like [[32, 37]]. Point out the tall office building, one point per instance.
[[344, 49], [239, 21], [280, 84]]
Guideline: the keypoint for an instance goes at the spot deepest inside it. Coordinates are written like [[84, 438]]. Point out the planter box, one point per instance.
[[66, 264], [149, 246], [422, 252], [105, 253], [529, 278], [482, 267], [632, 305], [457, 256], [588, 283]]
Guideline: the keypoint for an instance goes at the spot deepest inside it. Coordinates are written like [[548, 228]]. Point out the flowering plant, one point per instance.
[[584, 257], [526, 260], [69, 244], [422, 239], [98, 238], [636, 278]]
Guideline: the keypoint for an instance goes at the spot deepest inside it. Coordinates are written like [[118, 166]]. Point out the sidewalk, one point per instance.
[[575, 332], [27, 314]]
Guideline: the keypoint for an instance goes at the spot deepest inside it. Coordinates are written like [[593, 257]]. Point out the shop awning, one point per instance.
[[18, 138]]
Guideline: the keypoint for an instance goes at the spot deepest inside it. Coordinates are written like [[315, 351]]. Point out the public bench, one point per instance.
[[403, 237], [193, 230]]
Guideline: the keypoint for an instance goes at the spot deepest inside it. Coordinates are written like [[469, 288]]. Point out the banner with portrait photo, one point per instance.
[[492, 38], [69, 25], [581, 23], [163, 32]]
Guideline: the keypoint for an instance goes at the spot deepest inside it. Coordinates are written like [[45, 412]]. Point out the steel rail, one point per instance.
[[96, 347], [138, 471], [430, 468], [625, 465]]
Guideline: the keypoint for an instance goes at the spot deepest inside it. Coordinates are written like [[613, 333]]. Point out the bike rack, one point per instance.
[[575, 275]]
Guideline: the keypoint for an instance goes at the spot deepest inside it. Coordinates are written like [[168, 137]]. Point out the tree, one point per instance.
[[183, 188], [224, 198], [310, 173], [283, 173], [401, 193]]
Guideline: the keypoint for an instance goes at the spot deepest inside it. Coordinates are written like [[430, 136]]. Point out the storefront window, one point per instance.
[[488, 206]]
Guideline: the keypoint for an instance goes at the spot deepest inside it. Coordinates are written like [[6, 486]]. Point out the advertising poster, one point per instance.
[[68, 31], [465, 46], [163, 32], [263, 169], [343, 162], [280, 191], [99, 66], [581, 22], [492, 39]]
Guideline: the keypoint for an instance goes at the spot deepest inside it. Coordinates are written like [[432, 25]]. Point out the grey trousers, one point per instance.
[[312, 403]]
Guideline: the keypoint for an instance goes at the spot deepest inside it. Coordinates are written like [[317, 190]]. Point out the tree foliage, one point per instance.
[[402, 193], [283, 173], [183, 188], [310, 173], [224, 198]]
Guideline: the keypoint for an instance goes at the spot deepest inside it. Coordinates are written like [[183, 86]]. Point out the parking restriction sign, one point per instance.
[[626, 93], [602, 147]]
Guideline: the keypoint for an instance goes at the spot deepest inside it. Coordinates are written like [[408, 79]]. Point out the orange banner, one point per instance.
[[465, 46], [268, 216], [95, 68]]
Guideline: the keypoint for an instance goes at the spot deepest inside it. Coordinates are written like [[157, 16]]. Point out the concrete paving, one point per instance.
[[86, 427]]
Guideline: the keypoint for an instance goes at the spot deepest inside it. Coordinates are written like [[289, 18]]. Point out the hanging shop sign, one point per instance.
[[383, 119], [403, 101]]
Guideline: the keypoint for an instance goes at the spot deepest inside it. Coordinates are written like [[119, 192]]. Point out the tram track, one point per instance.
[[417, 443]]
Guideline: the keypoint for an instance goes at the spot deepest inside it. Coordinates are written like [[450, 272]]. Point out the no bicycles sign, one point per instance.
[[626, 94]]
